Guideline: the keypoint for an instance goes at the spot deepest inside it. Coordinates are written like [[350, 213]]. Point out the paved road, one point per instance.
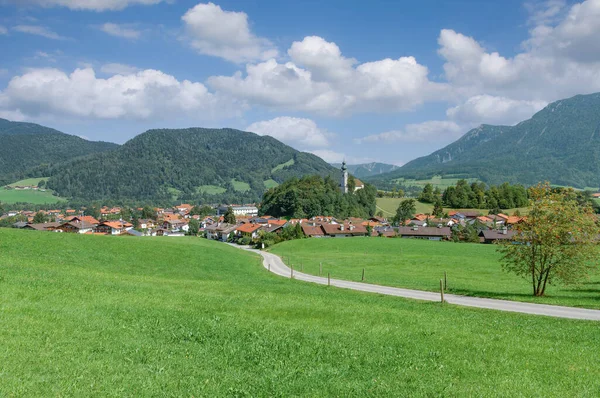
[[276, 266]]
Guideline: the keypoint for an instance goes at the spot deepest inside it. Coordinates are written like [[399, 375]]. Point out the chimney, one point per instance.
[[504, 231], [341, 227]]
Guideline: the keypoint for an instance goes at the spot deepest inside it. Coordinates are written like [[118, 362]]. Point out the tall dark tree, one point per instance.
[[229, 216], [438, 209], [406, 210], [39, 218]]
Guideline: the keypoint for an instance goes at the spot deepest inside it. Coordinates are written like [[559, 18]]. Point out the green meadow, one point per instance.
[[12, 196], [117, 316], [436, 181], [389, 206], [472, 269]]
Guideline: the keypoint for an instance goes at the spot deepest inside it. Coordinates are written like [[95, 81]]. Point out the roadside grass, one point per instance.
[[240, 186], [472, 269], [110, 316], [282, 166], [389, 205], [210, 189]]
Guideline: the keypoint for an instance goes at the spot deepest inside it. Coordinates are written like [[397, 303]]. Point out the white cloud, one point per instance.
[[494, 110], [118, 69], [3, 30], [226, 34], [545, 12], [149, 94], [421, 132], [39, 31], [297, 132], [124, 31], [90, 5], [326, 82]]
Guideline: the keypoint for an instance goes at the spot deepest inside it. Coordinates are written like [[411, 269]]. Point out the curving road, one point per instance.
[[274, 264]]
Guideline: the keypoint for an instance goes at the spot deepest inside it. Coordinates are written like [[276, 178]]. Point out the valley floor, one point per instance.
[[97, 315]]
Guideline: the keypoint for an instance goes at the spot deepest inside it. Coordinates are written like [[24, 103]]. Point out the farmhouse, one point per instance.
[[249, 230], [113, 227], [343, 230], [429, 233], [492, 236], [239, 210], [220, 231]]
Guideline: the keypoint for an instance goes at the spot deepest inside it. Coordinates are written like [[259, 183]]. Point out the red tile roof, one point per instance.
[[249, 228]]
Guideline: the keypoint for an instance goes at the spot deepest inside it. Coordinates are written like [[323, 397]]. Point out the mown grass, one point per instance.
[[282, 166], [29, 196], [110, 316], [436, 181], [271, 183], [210, 189], [29, 182], [472, 269], [240, 186], [389, 206]]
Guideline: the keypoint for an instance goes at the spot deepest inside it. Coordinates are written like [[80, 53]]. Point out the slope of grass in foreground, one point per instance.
[[472, 269], [107, 316]]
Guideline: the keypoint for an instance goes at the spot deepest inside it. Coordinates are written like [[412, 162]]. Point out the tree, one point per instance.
[[427, 195], [400, 193], [202, 211], [351, 184], [555, 242], [229, 216], [41, 184], [148, 212], [438, 209], [194, 227], [39, 218], [405, 211]]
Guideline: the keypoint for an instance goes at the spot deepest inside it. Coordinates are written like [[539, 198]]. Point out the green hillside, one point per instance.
[[560, 144], [158, 163], [107, 316], [28, 145]]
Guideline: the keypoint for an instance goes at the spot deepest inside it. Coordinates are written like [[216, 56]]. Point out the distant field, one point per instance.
[[270, 183], [240, 186], [281, 166], [108, 316], [436, 181], [473, 269], [28, 196], [30, 182], [211, 189], [389, 206]]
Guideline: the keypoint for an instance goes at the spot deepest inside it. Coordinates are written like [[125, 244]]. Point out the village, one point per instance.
[[176, 221]]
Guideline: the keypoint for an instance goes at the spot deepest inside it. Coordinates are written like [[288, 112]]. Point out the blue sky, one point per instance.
[[379, 81]]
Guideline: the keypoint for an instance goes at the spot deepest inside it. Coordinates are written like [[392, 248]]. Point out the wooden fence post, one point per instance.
[[442, 289], [445, 281], [269, 267], [363, 275], [302, 266], [328, 279], [320, 269], [291, 270]]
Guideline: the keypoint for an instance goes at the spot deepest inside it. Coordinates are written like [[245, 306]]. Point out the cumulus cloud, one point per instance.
[[39, 31], [494, 110], [225, 34], [319, 79], [124, 31], [3, 30], [297, 132], [148, 94], [118, 69], [90, 5], [420, 132]]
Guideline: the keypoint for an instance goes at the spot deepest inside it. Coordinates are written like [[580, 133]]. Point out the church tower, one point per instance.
[[344, 181]]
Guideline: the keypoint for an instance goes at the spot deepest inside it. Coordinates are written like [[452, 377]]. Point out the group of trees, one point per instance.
[[478, 196], [314, 195]]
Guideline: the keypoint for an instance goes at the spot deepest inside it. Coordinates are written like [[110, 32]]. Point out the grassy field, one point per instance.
[[472, 269], [281, 166], [29, 182], [12, 196], [29, 196], [211, 189], [270, 183], [240, 186], [436, 181], [108, 316], [389, 205]]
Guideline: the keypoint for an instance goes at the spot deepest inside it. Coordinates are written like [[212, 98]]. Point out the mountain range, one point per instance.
[[560, 144], [192, 164], [367, 169]]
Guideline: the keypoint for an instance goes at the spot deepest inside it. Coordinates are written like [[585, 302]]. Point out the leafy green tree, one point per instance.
[[400, 193], [427, 195], [406, 210], [194, 227], [148, 212], [93, 211], [229, 216], [557, 241], [202, 211], [39, 218], [438, 209], [41, 184], [351, 183]]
